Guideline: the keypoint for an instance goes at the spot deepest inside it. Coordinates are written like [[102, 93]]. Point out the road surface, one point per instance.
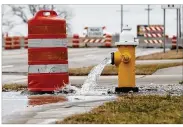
[[16, 60]]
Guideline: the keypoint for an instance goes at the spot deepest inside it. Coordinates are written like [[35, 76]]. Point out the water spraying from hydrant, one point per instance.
[[91, 81]]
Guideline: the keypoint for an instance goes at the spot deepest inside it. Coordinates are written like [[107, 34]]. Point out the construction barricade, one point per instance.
[[174, 42], [75, 41], [16, 42], [108, 40], [8, 43], [47, 52]]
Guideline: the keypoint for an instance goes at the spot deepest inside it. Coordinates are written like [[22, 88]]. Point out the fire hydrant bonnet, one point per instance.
[[127, 38]]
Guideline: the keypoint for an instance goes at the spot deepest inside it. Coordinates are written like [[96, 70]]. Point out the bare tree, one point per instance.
[[7, 25], [25, 12]]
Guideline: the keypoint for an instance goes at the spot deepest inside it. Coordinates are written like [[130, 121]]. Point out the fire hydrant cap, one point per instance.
[[127, 38]]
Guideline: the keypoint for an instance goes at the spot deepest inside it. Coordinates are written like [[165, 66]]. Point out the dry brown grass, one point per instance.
[[171, 54], [137, 109], [108, 70], [13, 87], [112, 70]]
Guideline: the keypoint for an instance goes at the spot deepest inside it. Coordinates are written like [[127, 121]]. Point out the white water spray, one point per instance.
[[91, 81]]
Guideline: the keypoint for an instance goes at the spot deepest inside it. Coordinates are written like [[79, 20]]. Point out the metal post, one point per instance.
[[180, 23], [148, 12], [164, 23], [121, 18], [177, 29]]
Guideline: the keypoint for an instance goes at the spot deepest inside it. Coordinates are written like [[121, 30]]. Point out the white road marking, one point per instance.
[[7, 66]]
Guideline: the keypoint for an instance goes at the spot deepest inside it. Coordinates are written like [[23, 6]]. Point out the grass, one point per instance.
[[13, 87], [136, 109], [112, 70], [171, 54], [181, 82], [108, 70]]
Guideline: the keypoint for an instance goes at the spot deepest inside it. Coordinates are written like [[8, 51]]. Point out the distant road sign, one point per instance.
[[95, 31], [170, 6]]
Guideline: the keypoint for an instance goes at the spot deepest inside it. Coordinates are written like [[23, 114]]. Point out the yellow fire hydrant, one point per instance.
[[124, 60]]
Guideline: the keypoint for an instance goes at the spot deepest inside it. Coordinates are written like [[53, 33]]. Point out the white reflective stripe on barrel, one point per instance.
[[50, 68], [47, 43]]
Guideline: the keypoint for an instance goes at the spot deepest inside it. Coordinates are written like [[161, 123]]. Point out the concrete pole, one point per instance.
[[121, 18], [148, 9], [164, 23], [177, 29], [148, 13], [182, 25]]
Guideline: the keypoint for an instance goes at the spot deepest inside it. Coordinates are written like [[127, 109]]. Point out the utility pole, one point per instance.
[[164, 18], [121, 18], [148, 9], [177, 29], [180, 23], [122, 15], [182, 26]]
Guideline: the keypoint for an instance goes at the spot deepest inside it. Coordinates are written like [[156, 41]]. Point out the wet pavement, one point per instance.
[[50, 112], [18, 108], [15, 101]]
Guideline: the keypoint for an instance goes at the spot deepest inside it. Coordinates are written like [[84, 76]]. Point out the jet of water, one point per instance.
[[91, 81]]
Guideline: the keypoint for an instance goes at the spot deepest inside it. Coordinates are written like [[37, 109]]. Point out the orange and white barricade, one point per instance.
[[8, 43], [15, 42], [108, 40], [25, 42], [174, 42], [47, 52], [153, 41], [75, 41], [94, 42]]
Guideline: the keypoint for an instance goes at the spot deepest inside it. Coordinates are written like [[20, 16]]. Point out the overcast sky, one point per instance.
[[109, 16]]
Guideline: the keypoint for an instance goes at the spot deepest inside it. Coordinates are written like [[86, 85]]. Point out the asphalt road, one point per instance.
[[16, 60]]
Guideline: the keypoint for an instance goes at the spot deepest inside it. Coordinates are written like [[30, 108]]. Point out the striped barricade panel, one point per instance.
[[94, 42]]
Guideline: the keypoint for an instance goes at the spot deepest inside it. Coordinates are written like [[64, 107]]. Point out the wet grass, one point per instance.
[[112, 70], [134, 109], [171, 54], [13, 87]]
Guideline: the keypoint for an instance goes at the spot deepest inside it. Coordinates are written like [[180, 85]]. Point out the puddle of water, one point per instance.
[[45, 99], [15, 101]]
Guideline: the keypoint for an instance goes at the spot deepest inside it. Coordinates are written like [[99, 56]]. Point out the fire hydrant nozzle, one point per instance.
[[126, 57], [112, 58]]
